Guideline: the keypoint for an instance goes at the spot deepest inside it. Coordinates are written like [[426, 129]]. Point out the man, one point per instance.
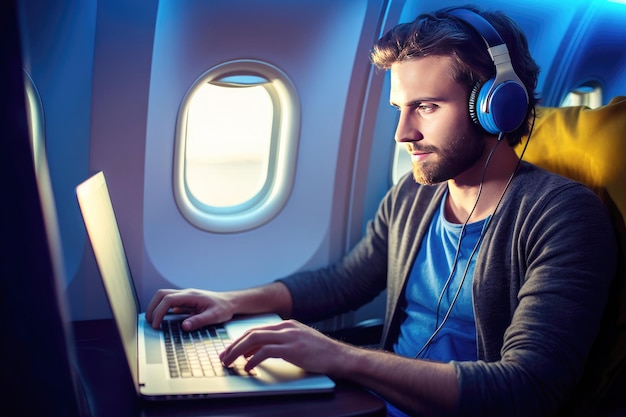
[[496, 272]]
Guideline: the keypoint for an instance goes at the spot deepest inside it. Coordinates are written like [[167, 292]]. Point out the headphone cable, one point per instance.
[[480, 238]]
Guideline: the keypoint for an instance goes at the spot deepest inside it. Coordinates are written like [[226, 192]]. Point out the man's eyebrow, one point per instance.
[[418, 101]]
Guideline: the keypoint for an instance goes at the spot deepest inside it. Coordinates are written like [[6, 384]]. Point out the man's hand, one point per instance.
[[210, 307], [420, 387], [292, 341], [204, 307]]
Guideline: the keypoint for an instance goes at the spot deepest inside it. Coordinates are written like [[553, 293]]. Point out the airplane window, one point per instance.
[[401, 162], [229, 133], [589, 95], [235, 150]]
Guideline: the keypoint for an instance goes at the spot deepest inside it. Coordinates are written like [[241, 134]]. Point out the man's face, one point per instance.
[[434, 119]]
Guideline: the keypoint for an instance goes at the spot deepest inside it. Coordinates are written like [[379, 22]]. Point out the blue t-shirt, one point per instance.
[[425, 312]]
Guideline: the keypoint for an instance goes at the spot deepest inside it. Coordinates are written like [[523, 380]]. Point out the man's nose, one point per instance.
[[407, 129]]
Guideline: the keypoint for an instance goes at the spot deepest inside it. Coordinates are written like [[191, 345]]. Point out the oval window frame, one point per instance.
[[273, 196]]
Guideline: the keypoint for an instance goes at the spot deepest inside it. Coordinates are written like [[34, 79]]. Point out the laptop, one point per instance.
[[153, 366]]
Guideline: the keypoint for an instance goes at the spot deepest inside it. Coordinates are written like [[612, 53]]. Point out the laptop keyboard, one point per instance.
[[195, 354]]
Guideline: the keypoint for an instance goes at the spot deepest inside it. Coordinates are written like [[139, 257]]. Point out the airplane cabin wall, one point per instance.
[[322, 47], [129, 105], [120, 93], [594, 54]]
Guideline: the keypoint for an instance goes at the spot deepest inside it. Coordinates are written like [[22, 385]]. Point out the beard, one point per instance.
[[446, 163]]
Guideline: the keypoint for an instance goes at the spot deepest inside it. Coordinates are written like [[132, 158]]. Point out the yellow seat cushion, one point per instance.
[[587, 145]]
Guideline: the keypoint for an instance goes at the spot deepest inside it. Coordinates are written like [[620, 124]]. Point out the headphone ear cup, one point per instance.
[[506, 110], [485, 118], [473, 98]]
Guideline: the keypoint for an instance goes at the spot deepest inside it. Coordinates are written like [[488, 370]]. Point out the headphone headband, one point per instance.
[[489, 34], [500, 105]]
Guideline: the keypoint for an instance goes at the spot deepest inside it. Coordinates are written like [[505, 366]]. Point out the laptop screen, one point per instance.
[[106, 242]]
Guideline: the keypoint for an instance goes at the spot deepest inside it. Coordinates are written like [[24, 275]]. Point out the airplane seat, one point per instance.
[[366, 333], [589, 146], [60, 345]]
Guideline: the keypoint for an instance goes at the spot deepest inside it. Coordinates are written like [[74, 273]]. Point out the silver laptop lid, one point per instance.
[[106, 242]]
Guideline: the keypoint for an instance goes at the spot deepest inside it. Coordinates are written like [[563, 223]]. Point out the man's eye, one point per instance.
[[426, 108]]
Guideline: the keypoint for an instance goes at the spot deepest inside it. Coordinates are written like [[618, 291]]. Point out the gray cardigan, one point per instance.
[[539, 287]]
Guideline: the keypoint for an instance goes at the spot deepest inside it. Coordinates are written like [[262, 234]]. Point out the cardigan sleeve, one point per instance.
[[350, 283], [539, 295]]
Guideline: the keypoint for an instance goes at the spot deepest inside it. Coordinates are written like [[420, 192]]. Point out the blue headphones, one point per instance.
[[500, 104]]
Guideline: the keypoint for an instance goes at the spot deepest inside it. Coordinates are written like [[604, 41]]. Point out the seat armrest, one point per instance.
[[364, 333]]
